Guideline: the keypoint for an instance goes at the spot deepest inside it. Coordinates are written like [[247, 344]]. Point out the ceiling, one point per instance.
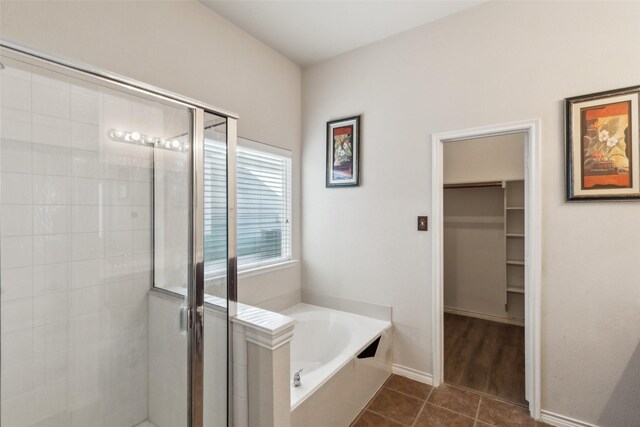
[[309, 31]]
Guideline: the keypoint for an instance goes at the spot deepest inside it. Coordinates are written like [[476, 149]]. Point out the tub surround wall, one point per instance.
[[363, 308], [282, 302], [493, 63], [268, 335], [269, 396], [178, 55]]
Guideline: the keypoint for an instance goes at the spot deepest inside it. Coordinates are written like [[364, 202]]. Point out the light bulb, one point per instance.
[[175, 143], [135, 136]]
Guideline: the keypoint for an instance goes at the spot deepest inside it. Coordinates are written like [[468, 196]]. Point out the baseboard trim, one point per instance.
[[411, 373], [561, 420], [507, 320]]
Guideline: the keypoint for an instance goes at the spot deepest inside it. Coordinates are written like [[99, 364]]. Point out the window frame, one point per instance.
[[287, 260]]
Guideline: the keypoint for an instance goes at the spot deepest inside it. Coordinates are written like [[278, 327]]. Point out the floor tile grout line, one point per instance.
[[456, 412], [366, 406], [422, 408], [475, 422], [469, 390], [451, 410], [419, 413], [487, 395], [406, 394], [382, 387], [385, 417]]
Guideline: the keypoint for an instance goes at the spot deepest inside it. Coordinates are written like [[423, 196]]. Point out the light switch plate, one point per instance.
[[423, 223]]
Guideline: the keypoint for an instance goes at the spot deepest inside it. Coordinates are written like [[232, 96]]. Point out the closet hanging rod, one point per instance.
[[473, 185]]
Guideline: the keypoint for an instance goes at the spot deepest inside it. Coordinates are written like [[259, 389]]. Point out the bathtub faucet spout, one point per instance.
[[296, 379]]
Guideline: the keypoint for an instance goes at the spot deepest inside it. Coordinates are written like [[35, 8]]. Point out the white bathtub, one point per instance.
[[325, 345]]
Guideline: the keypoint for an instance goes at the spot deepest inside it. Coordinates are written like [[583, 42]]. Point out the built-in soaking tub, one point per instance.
[[336, 384]]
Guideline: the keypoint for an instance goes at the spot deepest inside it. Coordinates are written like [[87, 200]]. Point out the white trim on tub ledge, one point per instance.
[[411, 373], [562, 421], [263, 327]]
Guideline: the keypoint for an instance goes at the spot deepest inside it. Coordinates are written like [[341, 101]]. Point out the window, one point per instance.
[[264, 206]]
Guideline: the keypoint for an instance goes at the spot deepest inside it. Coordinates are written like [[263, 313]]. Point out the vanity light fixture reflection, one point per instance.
[[147, 140]]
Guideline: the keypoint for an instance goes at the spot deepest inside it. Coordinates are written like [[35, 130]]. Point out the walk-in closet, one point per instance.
[[484, 264]]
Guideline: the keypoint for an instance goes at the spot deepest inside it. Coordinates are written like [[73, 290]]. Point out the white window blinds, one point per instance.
[[264, 205]]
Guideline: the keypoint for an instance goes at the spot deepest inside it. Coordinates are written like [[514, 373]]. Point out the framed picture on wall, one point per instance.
[[343, 152], [603, 146]]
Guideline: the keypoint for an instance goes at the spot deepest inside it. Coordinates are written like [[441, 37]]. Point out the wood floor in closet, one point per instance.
[[485, 356]]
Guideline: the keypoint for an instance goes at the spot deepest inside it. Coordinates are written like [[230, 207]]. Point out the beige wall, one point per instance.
[[495, 63], [495, 158], [183, 47]]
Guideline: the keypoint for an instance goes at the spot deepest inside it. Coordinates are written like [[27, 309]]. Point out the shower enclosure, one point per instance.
[[106, 227]]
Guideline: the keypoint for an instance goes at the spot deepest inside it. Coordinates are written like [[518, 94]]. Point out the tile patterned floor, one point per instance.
[[402, 402]]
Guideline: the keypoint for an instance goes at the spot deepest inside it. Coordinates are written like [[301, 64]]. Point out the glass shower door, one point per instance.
[[192, 248], [170, 304], [218, 244], [102, 268], [76, 252]]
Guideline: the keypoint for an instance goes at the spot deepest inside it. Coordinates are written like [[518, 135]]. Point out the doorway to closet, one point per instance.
[[484, 235], [506, 236]]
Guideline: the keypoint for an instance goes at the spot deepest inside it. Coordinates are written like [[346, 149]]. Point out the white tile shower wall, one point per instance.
[[168, 367], [76, 250]]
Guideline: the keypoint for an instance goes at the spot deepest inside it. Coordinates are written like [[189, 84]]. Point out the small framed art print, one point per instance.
[[343, 152]]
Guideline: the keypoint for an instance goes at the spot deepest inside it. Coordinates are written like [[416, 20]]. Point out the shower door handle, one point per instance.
[[184, 318]]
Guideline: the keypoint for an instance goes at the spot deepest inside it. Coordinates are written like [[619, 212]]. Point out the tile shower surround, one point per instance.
[[76, 255]]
